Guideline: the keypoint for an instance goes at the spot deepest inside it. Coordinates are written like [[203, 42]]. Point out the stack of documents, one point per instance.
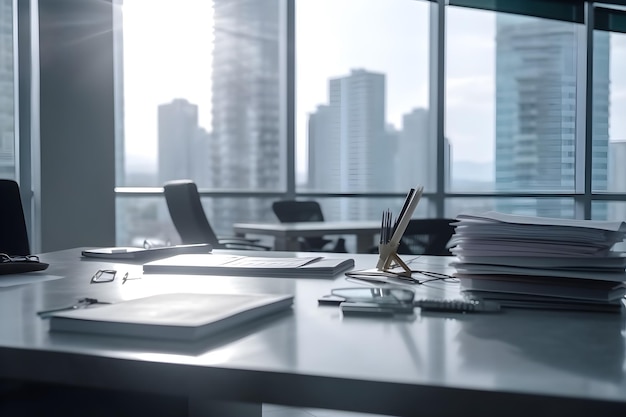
[[541, 262]]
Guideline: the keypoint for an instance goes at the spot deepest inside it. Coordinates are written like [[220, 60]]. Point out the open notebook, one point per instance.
[[220, 264], [182, 316]]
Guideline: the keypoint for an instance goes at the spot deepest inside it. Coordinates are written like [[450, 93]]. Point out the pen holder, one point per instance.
[[388, 254]]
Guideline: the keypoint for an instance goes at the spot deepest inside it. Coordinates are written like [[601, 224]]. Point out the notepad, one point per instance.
[[221, 264], [180, 316]]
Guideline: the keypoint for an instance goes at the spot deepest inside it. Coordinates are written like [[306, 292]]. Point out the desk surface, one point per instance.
[[514, 363]]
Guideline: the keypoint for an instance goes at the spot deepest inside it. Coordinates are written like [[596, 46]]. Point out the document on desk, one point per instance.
[[183, 316], [265, 266], [134, 253]]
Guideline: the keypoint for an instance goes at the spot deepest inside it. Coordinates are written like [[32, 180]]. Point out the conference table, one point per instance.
[[286, 234], [513, 363]]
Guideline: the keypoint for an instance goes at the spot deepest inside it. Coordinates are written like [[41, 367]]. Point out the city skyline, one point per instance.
[[470, 81]]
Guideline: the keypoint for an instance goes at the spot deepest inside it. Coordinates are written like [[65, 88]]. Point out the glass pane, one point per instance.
[[338, 209], [609, 120], [362, 96], [470, 97], [7, 92], [201, 94], [543, 207], [511, 104], [147, 218]]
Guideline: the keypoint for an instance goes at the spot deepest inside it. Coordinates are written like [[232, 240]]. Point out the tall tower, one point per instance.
[[7, 101], [245, 105], [324, 152], [617, 178], [349, 148], [536, 84], [184, 149], [416, 158]]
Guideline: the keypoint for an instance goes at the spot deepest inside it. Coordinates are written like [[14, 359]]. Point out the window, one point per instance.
[[609, 73], [362, 101], [362, 96], [471, 96], [510, 98], [201, 100], [208, 87]]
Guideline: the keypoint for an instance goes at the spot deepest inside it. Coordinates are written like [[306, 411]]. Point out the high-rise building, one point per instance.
[[416, 157], [617, 178], [536, 81], [324, 153], [7, 101], [184, 148], [348, 143], [416, 154], [245, 106]]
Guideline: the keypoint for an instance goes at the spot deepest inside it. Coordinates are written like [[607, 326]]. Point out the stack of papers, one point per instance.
[[541, 262]]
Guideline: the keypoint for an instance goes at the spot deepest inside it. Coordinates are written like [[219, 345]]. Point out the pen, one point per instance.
[[82, 303]]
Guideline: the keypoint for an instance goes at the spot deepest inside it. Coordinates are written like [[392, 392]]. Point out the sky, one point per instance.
[[167, 55]]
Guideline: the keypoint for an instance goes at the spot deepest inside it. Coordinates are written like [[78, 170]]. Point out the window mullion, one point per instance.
[[584, 117]]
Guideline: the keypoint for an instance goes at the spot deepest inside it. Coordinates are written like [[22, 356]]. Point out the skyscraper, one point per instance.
[[245, 105], [324, 153], [184, 148], [617, 178], [536, 81], [416, 155], [349, 149]]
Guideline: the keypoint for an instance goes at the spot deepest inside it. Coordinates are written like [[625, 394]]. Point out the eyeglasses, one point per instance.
[[25, 258], [103, 275], [385, 296], [381, 276], [108, 275]]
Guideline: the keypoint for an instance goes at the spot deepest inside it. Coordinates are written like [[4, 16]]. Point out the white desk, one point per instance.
[[286, 234], [517, 363]]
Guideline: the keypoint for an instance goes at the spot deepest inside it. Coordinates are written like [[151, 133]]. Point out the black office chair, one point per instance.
[[427, 237], [291, 211], [189, 218], [13, 233]]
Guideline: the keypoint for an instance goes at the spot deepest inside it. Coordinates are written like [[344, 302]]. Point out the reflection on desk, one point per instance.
[[586, 345]]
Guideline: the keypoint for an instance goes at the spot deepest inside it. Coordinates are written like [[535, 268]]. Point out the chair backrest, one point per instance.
[[185, 207], [291, 211], [13, 233], [427, 237]]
